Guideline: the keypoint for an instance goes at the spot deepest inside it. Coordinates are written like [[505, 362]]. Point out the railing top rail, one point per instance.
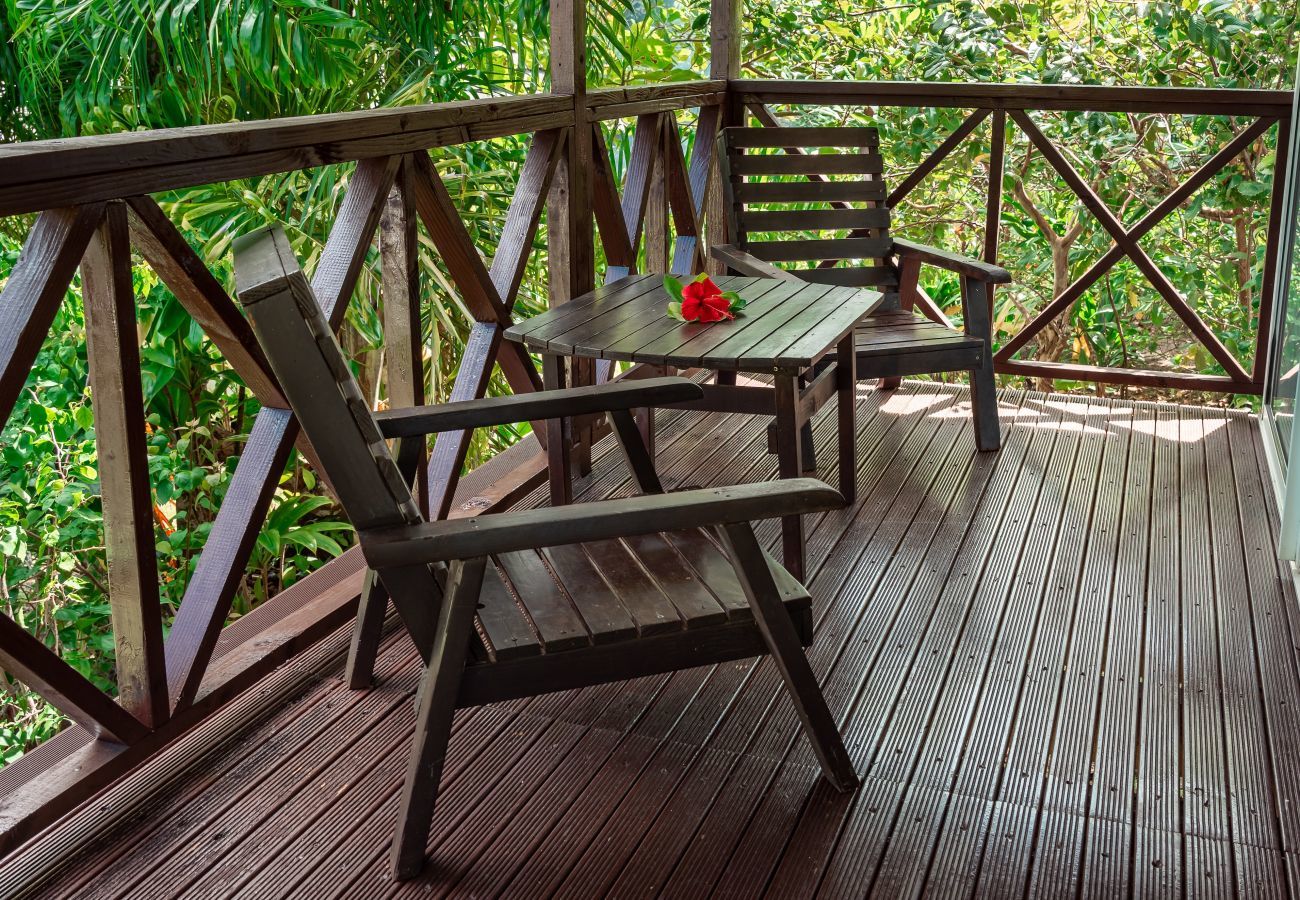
[[45, 174], [1098, 98]]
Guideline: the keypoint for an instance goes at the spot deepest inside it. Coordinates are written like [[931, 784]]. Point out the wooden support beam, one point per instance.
[[607, 207], [113, 353], [399, 254], [520, 229], [494, 294], [656, 208], [1274, 241], [37, 666], [37, 285], [570, 221], [221, 565], [646, 138]]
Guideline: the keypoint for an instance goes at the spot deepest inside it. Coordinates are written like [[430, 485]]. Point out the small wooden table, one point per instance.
[[787, 329]]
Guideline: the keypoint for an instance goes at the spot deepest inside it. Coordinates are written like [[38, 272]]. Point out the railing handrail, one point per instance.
[[40, 175], [1012, 95]]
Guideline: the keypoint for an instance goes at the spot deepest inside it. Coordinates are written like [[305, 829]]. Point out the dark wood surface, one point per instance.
[[785, 326], [999, 635]]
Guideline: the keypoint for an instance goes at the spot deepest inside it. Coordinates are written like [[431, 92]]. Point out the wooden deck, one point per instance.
[[1067, 667]]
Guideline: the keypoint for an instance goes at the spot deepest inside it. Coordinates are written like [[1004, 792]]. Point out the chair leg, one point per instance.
[[439, 688], [984, 409], [983, 386], [787, 652], [367, 632]]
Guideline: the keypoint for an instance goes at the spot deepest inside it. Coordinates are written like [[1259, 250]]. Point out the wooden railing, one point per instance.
[[93, 206], [998, 103]]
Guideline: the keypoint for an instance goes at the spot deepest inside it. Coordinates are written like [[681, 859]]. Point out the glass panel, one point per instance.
[[1284, 361]]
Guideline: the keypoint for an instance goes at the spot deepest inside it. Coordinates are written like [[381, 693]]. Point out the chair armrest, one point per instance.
[[953, 262], [539, 405], [748, 263], [445, 540]]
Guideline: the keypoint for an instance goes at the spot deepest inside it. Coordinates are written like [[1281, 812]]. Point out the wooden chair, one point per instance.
[[896, 340], [520, 603]]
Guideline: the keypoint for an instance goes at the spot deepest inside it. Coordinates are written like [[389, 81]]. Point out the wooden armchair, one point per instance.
[[895, 340], [521, 603]]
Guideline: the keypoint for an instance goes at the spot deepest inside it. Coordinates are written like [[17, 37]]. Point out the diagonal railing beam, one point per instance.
[[607, 206], [1150, 220], [197, 289], [937, 156], [489, 294], [40, 668], [36, 286]]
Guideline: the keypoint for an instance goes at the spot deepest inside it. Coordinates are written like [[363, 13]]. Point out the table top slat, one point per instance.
[[608, 296]]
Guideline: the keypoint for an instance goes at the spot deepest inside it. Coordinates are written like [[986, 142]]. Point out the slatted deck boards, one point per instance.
[[1097, 606]]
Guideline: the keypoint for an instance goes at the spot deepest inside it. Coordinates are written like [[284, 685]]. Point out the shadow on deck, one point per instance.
[[1069, 664]]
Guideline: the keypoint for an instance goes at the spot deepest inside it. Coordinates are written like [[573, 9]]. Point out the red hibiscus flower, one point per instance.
[[703, 301]]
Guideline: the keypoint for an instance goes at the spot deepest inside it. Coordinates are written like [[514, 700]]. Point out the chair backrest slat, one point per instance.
[[314, 375], [818, 248], [835, 179], [831, 219], [797, 136], [809, 164]]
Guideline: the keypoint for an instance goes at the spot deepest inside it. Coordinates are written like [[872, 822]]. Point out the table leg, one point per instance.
[[584, 373], [558, 436], [846, 364], [789, 453]]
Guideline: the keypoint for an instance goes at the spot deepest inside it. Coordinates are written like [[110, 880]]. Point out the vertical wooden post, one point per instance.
[[656, 209], [570, 218], [113, 351], [724, 62], [993, 209], [1273, 240], [400, 289]]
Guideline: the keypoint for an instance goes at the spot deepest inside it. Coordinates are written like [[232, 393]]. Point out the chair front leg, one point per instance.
[[439, 688], [983, 385], [788, 654]]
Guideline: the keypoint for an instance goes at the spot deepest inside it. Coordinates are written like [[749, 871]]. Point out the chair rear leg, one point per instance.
[[439, 688], [367, 633], [787, 652]]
